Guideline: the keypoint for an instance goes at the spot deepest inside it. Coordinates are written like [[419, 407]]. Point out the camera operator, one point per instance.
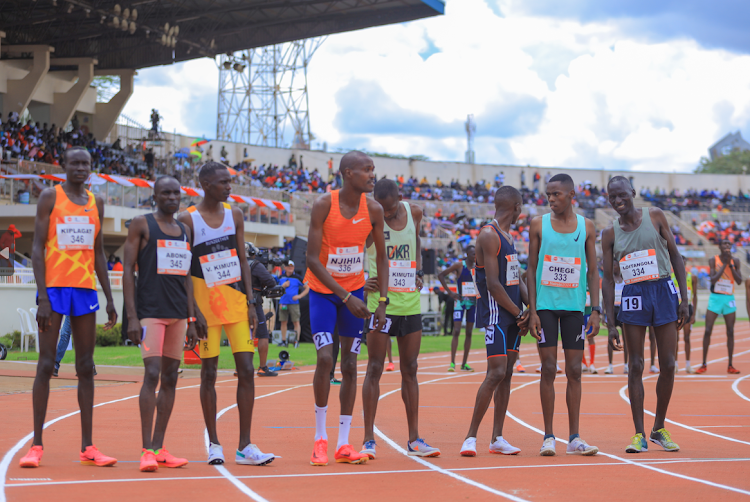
[[289, 303], [262, 281]]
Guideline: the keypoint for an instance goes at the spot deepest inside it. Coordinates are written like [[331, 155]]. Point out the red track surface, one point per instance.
[[712, 464]]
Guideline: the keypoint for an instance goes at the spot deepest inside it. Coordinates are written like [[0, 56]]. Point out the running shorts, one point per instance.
[[718, 304], [651, 303], [566, 324], [397, 325], [499, 340], [238, 335], [163, 337], [327, 312], [471, 313], [72, 301]]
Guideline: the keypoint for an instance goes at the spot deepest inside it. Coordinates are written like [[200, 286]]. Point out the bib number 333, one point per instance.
[[561, 272]]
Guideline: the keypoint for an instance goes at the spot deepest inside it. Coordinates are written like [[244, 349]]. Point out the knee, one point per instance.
[[169, 380], [408, 369], [495, 376], [573, 372], [208, 374], [85, 368], [349, 368], [44, 367], [636, 365], [374, 369], [667, 364], [325, 360], [549, 370], [151, 376]]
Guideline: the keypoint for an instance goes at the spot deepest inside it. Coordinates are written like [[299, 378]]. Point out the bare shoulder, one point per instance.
[[374, 207], [324, 202], [416, 211], [99, 200], [184, 217]]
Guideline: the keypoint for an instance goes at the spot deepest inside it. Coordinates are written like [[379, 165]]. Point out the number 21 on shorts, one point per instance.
[[489, 335], [631, 303], [322, 339]]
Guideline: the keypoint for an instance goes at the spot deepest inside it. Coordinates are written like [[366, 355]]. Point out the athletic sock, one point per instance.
[[687, 364], [320, 423], [572, 437], [345, 423], [592, 351], [549, 436]]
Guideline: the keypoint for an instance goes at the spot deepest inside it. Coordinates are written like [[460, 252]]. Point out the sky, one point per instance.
[[644, 85]]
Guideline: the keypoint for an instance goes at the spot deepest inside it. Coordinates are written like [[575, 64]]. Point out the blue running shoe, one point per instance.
[[369, 449], [637, 444], [419, 448]]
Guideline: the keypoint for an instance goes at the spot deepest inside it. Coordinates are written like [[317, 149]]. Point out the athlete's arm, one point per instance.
[[41, 228], [193, 329], [535, 243], [736, 272], [200, 324], [320, 210], [677, 264], [378, 238], [455, 268], [608, 286], [714, 274], [416, 216], [247, 277], [137, 232], [592, 276], [100, 266], [694, 282], [371, 281]]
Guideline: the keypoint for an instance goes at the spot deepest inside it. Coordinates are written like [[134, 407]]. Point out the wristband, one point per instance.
[[346, 298], [191, 319]]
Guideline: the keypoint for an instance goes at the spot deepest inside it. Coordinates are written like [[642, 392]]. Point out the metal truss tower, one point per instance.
[[471, 130], [263, 95]]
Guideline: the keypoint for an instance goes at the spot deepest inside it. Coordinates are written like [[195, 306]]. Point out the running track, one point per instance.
[[710, 420]]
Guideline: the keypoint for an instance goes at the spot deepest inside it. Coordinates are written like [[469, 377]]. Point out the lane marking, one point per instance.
[[736, 389]]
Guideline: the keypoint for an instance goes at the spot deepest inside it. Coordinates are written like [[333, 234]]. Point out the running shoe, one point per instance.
[[503, 447], [580, 447], [390, 367], [33, 457], [215, 454], [654, 370], [369, 449], [265, 372], [148, 461], [664, 439], [520, 368], [452, 368], [559, 370], [55, 371], [702, 368], [625, 369], [251, 455], [469, 448], [539, 369], [166, 459], [637, 444], [335, 381], [732, 370], [609, 370], [320, 453], [584, 368], [348, 455], [592, 370], [419, 448], [548, 448], [466, 367], [92, 456], [690, 370]]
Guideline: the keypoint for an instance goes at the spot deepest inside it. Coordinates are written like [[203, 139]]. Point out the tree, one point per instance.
[[726, 164], [106, 86]]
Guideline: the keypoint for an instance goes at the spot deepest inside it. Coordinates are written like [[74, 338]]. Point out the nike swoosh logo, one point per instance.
[[87, 210], [92, 307], [577, 236], [354, 222]]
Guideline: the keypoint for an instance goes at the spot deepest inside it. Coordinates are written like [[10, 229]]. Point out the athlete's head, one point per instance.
[[77, 163], [358, 171], [167, 194], [621, 194], [215, 181], [560, 193], [725, 246], [387, 195], [470, 253], [508, 200]]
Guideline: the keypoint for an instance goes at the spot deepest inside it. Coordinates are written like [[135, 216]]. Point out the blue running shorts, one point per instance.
[[650, 303], [72, 301], [499, 340], [471, 313], [328, 311]]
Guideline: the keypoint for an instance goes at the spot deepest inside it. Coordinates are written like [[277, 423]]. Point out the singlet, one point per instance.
[[401, 247], [489, 313], [689, 278], [642, 253], [163, 264], [561, 269], [217, 278], [725, 284], [342, 249], [69, 261], [467, 288]]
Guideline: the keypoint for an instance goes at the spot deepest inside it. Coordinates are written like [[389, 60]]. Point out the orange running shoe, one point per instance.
[[390, 367], [166, 459], [702, 369], [33, 457], [148, 461], [320, 453], [520, 368], [348, 455], [92, 456], [732, 370]]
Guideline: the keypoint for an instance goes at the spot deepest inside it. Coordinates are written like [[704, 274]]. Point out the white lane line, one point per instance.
[[434, 467], [631, 462], [223, 470], [736, 389]]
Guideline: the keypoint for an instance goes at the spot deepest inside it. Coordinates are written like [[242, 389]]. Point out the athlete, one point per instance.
[[160, 314], [403, 314], [68, 256], [642, 242], [222, 286], [466, 304], [340, 223], [562, 260], [724, 272], [619, 285], [500, 312], [692, 291]]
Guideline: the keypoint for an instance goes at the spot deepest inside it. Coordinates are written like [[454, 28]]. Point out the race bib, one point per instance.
[[75, 232], [458, 315], [382, 329], [639, 266], [173, 257], [631, 303], [673, 288], [724, 287], [468, 289], [402, 276], [345, 262], [512, 270], [561, 272], [221, 268], [356, 345], [489, 335], [588, 299], [322, 339]]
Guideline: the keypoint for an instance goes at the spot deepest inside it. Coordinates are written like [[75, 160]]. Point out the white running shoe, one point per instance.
[[251, 455], [654, 369], [609, 370], [625, 369], [548, 448], [503, 447], [579, 447], [215, 454], [584, 368], [593, 370], [469, 448], [690, 370]]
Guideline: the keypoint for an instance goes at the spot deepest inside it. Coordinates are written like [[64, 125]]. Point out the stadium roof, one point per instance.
[[147, 37]]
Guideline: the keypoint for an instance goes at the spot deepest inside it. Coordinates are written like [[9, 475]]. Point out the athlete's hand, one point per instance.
[[523, 321], [135, 330], [371, 285], [419, 282], [192, 336], [201, 326], [614, 338], [453, 295], [380, 316], [112, 315], [535, 326], [44, 314], [683, 314], [252, 317], [358, 307], [593, 325]]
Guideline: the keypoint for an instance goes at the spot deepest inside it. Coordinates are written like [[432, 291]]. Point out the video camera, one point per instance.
[[254, 254]]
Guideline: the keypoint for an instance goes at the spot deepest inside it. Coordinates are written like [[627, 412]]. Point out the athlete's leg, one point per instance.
[[263, 352], [710, 320], [376, 343], [408, 349], [573, 360], [467, 342], [729, 320], [165, 401], [389, 350], [322, 377], [209, 366], [502, 396], [652, 345], [348, 393], [44, 367], [666, 338], [497, 367], [84, 338], [636, 337], [147, 399], [456, 333], [548, 355], [62, 344], [686, 330], [245, 394]]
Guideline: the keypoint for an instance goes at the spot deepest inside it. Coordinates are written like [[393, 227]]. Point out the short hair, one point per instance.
[[620, 179], [470, 246], [209, 169], [385, 189], [74, 149], [562, 178], [506, 194], [350, 159], [162, 179]]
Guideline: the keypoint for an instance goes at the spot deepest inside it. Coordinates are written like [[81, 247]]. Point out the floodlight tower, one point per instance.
[[471, 129], [263, 95]]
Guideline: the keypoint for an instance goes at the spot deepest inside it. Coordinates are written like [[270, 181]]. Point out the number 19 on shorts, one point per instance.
[[631, 303]]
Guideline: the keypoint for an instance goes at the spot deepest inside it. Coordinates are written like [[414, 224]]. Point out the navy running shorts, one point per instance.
[[649, 303], [499, 340], [471, 314]]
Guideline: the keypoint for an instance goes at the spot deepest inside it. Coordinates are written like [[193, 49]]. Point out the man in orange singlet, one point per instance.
[[340, 223], [68, 251]]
